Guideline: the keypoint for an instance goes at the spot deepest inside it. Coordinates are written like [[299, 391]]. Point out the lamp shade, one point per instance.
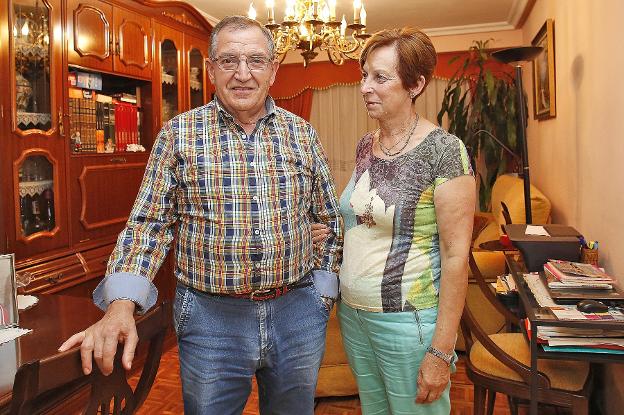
[[520, 53]]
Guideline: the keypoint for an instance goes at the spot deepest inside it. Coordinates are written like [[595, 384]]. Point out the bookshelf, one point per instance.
[[69, 173]]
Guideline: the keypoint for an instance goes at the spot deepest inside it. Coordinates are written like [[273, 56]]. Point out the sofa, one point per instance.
[[335, 377]]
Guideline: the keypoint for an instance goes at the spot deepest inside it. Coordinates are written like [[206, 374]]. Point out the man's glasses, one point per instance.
[[254, 63]]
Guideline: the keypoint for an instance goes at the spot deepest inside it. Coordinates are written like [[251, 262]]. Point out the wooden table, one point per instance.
[[52, 320], [543, 316]]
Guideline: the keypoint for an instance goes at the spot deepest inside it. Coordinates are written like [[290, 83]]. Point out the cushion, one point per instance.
[[509, 188], [563, 374]]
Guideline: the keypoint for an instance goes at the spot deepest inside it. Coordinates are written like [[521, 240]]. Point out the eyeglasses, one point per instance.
[[230, 63]]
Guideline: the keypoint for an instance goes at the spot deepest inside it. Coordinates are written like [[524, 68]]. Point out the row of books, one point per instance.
[[102, 123], [575, 339], [575, 275]]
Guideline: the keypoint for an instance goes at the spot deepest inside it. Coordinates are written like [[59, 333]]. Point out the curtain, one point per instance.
[[299, 104], [340, 118]]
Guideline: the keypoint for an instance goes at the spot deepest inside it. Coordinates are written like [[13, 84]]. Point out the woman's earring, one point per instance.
[[412, 94]]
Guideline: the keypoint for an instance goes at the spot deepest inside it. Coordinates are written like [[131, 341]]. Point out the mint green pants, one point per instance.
[[385, 351]]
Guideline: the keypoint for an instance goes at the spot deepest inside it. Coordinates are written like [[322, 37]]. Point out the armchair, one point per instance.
[[508, 191]]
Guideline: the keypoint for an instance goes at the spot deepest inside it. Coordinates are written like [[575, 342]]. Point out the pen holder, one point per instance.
[[589, 256]]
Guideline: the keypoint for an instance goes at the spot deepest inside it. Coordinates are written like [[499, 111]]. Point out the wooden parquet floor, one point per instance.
[[166, 394]]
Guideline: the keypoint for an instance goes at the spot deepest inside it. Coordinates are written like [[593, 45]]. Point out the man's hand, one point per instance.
[[101, 339], [433, 377]]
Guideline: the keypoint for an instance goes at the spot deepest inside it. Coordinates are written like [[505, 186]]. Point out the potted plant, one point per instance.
[[480, 102]]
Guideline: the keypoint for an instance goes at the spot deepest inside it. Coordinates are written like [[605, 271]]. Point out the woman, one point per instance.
[[408, 212]]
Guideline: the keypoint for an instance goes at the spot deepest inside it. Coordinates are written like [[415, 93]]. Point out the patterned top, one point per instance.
[[391, 252], [240, 205]]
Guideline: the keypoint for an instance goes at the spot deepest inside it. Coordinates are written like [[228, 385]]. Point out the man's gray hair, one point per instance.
[[239, 23]]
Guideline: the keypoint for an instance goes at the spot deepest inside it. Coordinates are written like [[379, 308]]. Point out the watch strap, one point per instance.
[[445, 357]]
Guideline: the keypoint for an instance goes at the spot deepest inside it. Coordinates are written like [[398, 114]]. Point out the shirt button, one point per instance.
[[244, 136], [257, 231], [252, 164], [255, 198]]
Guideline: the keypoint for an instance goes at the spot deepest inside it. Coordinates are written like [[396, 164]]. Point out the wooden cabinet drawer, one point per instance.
[[95, 260], [54, 276]]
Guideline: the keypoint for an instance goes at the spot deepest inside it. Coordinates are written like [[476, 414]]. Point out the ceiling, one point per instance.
[[435, 17]]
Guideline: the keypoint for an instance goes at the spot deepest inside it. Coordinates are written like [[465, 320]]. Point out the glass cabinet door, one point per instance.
[[196, 78], [31, 53], [169, 79], [36, 186]]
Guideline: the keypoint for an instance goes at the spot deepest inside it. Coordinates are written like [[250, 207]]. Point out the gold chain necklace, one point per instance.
[[388, 150]]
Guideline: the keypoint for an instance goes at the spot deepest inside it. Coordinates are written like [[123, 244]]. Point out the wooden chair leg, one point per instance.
[[513, 405], [479, 400], [491, 399]]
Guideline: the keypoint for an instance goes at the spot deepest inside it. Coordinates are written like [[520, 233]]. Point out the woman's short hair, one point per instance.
[[415, 53], [239, 23]]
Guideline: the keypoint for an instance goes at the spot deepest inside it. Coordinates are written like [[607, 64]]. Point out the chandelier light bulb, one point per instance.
[[46, 39], [252, 12], [270, 3], [289, 13], [363, 16], [325, 14], [357, 4], [343, 26], [25, 29], [14, 31], [332, 9]]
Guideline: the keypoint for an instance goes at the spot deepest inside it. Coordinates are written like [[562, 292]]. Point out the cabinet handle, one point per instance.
[[60, 123], [117, 49], [55, 279], [117, 160]]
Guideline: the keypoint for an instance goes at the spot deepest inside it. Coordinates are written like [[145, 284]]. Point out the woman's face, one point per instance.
[[381, 86]]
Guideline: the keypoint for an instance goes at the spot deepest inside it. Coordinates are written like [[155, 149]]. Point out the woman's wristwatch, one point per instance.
[[447, 358]]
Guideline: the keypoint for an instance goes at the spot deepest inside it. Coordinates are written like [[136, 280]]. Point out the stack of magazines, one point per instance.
[[575, 275]]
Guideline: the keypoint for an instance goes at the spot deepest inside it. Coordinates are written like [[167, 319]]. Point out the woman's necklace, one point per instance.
[[388, 150]]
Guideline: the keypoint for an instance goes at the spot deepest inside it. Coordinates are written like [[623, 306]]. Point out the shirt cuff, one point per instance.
[[126, 285], [326, 283]]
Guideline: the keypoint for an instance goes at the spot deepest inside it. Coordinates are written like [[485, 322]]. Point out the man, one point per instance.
[[241, 180]]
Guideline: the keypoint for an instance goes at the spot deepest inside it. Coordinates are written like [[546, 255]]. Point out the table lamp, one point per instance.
[[517, 55]]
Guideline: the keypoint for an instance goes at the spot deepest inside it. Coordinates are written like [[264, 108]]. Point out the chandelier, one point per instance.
[[311, 26]]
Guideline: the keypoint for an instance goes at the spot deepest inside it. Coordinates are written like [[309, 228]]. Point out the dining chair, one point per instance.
[[500, 363], [61, 376]]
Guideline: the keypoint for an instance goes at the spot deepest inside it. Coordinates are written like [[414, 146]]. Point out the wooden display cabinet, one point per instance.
[[108, 38], [61, 210]]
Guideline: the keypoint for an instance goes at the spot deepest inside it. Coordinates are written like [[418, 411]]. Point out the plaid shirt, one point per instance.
[[242, 204]]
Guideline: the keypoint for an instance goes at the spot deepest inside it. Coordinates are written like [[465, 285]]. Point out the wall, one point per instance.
[[577, 158]]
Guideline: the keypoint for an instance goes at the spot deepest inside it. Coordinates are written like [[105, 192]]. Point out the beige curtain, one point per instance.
[[339, 116]]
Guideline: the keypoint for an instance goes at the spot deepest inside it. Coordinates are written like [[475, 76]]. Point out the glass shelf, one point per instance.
[[36, 195], [31, 54], [169, 78]]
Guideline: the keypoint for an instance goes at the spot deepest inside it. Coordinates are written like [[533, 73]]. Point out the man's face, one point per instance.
[[242, 91]]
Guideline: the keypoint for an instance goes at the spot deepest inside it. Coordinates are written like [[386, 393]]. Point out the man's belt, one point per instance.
[[271, 293]]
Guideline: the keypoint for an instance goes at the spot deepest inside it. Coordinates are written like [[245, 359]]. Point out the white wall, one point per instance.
[[577, 158]]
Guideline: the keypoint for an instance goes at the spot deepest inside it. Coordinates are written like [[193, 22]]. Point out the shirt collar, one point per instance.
[[269, 106]]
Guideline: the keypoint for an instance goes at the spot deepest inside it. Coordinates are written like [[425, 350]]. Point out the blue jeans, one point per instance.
[[224, 341]]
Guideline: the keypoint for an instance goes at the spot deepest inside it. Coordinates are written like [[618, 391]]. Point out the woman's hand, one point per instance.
[[320, 232], [433, 377]]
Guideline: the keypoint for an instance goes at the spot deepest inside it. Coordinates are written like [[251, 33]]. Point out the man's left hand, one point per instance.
[[433, 377]]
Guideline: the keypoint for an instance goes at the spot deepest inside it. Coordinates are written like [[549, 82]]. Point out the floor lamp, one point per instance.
[[517, 55]]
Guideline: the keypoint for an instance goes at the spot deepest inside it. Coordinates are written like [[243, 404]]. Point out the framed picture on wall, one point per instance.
[[544, 103]]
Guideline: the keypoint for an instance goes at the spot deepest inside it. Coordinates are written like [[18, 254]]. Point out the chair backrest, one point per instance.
[[37, 380]]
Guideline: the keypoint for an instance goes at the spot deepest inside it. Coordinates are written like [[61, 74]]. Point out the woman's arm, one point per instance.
[[454, 203]]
